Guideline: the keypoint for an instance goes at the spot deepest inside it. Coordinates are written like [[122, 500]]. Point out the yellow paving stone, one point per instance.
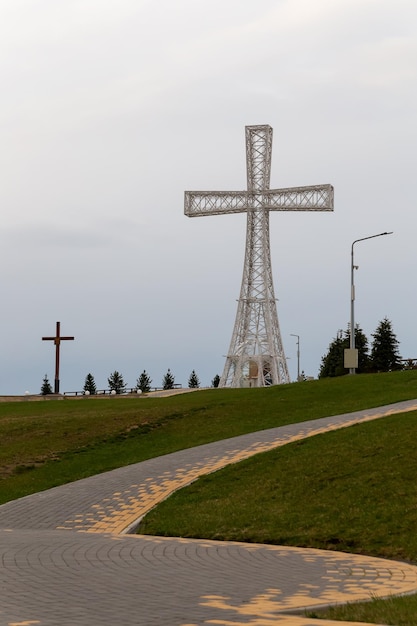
[[25, 623]]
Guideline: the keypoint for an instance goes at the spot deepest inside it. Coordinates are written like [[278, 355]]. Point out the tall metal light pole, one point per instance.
[[352, 297], [298, 356]]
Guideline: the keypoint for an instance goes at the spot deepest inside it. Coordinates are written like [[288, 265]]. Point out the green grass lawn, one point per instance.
[[44, 444], [351, 490]]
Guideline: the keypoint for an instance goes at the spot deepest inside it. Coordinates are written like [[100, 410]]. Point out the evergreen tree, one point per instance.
[[361, 343], [216, 380], [46, 387], [168, 380], [116, 382], [144, 382], [332, 363], [384, 354], [193, 381], [90, 385]]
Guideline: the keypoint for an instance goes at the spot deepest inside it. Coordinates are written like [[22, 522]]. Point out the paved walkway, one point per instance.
[[66, 557]]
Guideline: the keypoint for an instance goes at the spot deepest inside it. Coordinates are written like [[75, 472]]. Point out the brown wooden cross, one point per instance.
[[57, 340]]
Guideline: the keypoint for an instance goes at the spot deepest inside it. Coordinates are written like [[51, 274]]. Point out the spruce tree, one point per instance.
[[168, 380], [361, 343], [116, 382], [216, 380], [332, 363], [144, 382], [193, 381], [90, 385], [46, 387], [384, 354]]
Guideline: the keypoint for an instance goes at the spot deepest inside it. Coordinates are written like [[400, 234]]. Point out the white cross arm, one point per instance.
[[314, 198], [215, 202]]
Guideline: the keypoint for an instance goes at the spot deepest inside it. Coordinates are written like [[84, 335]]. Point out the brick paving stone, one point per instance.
[[64, 559]]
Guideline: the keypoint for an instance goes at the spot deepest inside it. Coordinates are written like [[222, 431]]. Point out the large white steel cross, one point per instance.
[[256, 355]]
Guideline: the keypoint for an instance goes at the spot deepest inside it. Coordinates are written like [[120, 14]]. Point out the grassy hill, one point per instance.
[[351, 490], [56, 441]]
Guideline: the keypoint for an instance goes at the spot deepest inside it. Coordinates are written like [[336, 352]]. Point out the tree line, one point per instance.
[[383, 356], [117, 384]]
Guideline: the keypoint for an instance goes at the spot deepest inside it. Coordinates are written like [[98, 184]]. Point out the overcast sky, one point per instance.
[[110, 109]]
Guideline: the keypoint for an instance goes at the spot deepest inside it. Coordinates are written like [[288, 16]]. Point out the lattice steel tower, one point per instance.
[[256, 355]]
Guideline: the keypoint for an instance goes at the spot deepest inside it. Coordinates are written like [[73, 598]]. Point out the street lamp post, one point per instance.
[[354, 267], [298, 356]]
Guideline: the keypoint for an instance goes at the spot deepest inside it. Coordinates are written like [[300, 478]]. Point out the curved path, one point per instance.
[[66, 557]]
